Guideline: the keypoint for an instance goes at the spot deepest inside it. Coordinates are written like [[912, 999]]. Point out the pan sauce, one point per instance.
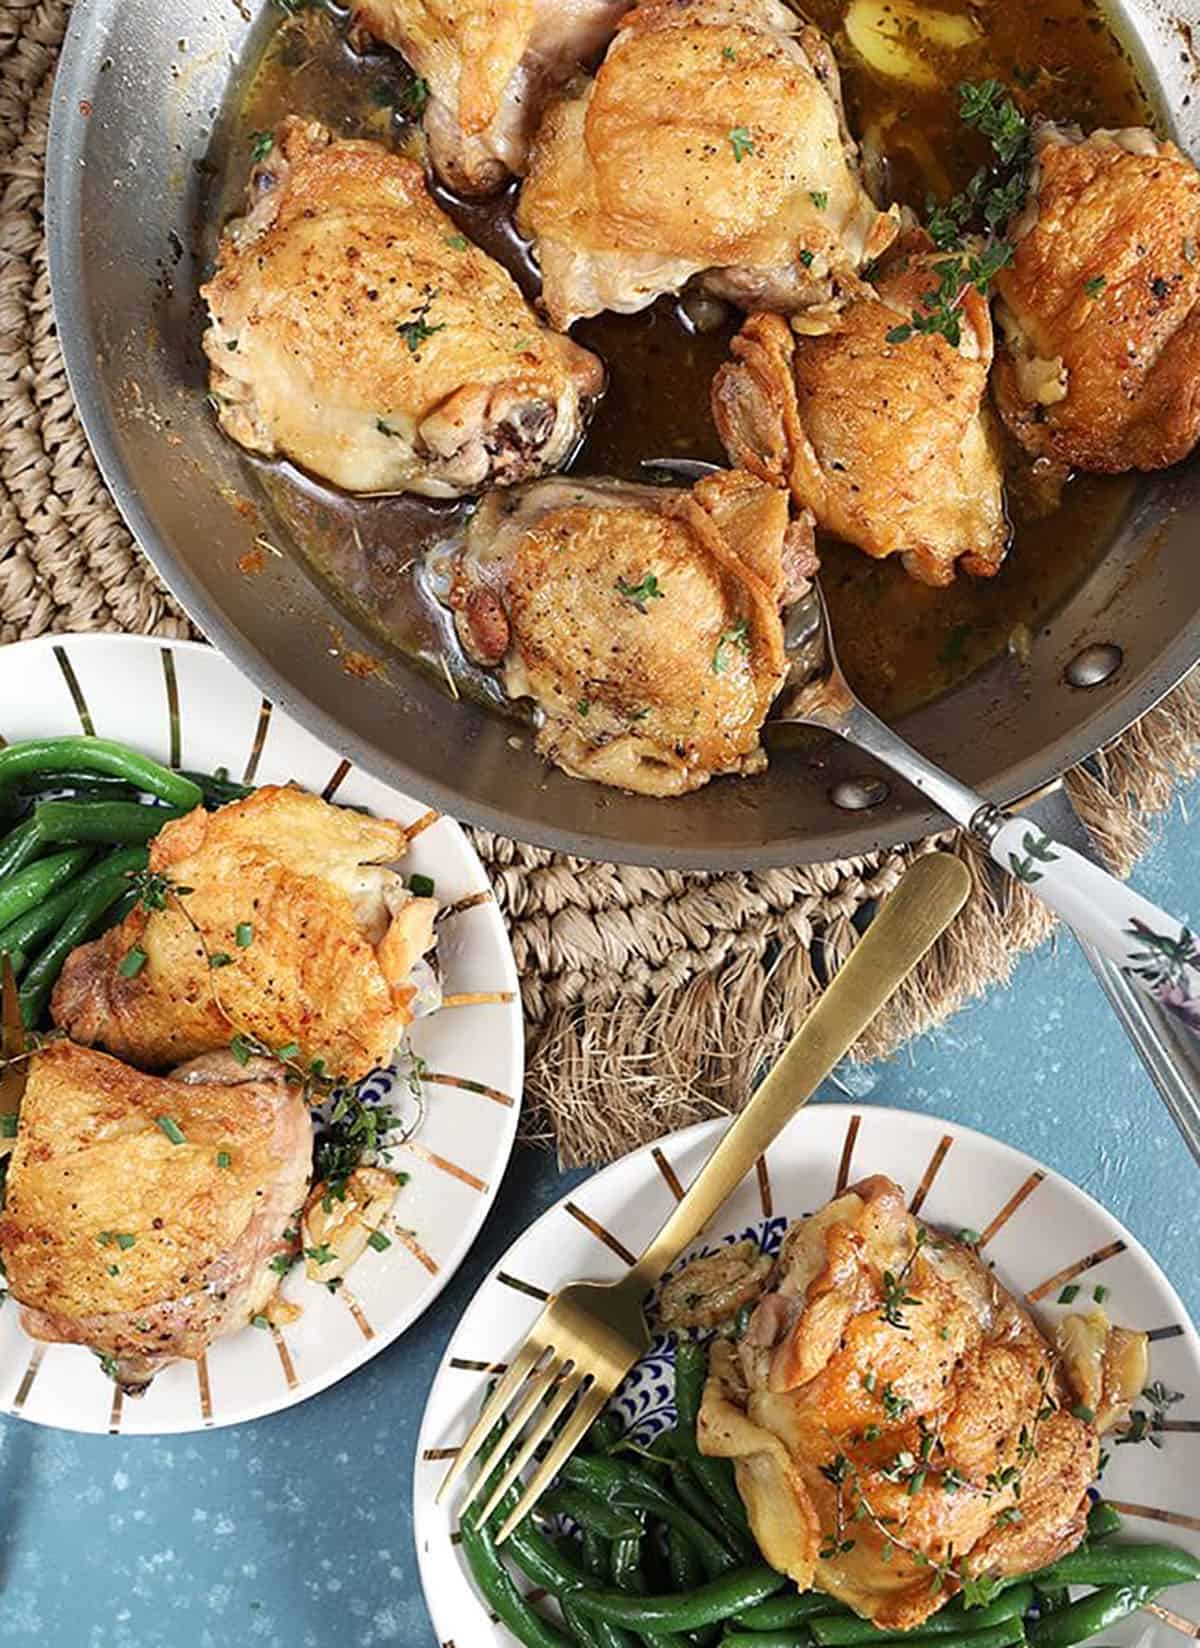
[[901, 642]]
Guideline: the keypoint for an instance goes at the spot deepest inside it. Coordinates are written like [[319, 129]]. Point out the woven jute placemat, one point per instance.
[[651, 997]]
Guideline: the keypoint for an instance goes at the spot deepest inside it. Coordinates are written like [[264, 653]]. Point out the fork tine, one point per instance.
[[533, 1441], [534, 1390], [529, 1354], [590, 1404]]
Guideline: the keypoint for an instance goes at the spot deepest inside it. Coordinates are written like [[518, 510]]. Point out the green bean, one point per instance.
[[849, 1628], [28, 887], [626, 1559], [685, 1566], [765, 1639], [1050, 1598], [1121, 1563], [81, 786], [1102, 1521], [590, 1512], [691, 1370], [96, 892], [501, 1594], [595, 1554], [603, 1434], [692, 1495], [20, 936], [1003, 1635], [625, 1484], [219, 788], [95, 755], [542, 1562], [20, 847], [777, 1613], [715, 1476], [594, 1633], [110, 821], [708, 1604], [1089, 1616]]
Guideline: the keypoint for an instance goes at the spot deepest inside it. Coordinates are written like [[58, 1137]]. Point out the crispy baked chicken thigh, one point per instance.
[[357, 332], [890, 444], [892, 1412], [490, 65], [314, 940], [711, 140], [1099, 312], [644, 622], [141, 1213]]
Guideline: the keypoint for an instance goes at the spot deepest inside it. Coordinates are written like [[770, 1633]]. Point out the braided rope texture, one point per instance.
[[652, 998]]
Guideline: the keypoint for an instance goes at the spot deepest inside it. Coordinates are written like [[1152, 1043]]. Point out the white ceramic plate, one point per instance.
[[182, 703], [1038, 1228]]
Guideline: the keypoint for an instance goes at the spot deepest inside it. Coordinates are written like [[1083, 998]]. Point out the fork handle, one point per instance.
[[925, 901]]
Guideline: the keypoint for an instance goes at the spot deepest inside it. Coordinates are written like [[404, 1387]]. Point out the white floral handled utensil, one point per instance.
[[1159, 953]]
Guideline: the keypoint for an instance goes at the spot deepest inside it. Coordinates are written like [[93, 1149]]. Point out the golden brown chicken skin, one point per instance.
[[643, 621], [315, 941], [890, 444], [884, 1432], [355, 330], [711, 140], [142, 1214], [1099, 312], [490, 66]]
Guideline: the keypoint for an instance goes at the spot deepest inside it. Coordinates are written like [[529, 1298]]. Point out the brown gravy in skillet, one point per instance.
[[901, 642]]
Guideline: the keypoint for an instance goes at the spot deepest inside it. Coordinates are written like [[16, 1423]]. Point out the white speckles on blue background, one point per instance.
[[296, 1532]]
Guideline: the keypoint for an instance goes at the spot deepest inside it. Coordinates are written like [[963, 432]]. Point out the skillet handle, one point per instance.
[[1150, 948]]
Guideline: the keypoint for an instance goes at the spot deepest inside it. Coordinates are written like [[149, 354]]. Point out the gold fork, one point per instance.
[[591, 1334]]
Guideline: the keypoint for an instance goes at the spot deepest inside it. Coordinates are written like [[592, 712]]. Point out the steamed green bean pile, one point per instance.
[[662, 1557], [79, 813]]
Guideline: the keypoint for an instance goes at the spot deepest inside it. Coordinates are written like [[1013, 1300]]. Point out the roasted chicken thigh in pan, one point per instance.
[[711, 140], [278, 918], [142, 1214], [892, 445], [357, 332], [489, 65], [643, 622], [1099, 313], [892, 1411]]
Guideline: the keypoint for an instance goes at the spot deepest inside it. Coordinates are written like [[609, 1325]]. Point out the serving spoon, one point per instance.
[[1149, 947]]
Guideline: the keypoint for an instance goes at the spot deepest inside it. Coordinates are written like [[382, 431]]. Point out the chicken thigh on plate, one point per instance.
[[142, 1214], [1099, 312], [490, 66], [711, 140], [356, 331], [890, 442], [277, 917], [894, 1414], [644, 622]]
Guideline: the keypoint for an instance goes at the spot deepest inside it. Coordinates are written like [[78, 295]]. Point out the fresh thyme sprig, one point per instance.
[[895, 1291]]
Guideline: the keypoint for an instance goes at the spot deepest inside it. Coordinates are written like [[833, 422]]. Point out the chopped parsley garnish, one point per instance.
[[1095, 286], [114, 1270], [807, 258], [1069, 1294], [379, 1241], [124, 1240], [240, 1048], [648, 590], [421, 885], [1099, 1293], [224, 1159], [819, 198], [728, 53], [261, 144], [220, 958], [132, 962], [738, 636], [417, 331], [322, 1254], [457, 243], [584, 706], [259, 1322], [244, 935], [282, 1263], [741, 142], [171, 1128]]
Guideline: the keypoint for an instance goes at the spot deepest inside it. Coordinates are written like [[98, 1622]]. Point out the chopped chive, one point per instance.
[[1069, 1293], [1100, 1293], [321, 1255], [819, 198], [114, 1270], [171, 1128], [282, 1263], [259, 1322], [224, 1159], [379, 1241], [105, 1237], [125, 1241], [132, 962], [244, 934], [421, 885], [220, 958], [741, 142]]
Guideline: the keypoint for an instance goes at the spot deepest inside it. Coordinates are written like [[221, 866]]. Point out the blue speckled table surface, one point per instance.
[[296, 1532]]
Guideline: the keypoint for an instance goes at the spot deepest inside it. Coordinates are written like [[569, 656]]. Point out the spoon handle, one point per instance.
[[1156, 951]]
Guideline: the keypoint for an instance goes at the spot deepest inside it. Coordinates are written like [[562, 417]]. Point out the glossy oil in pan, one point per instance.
[[139, 92]]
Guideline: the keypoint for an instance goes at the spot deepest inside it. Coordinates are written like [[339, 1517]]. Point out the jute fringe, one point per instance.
[[651, 997]]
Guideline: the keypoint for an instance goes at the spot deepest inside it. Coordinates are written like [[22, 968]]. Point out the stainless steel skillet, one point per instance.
[[139, 92]]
